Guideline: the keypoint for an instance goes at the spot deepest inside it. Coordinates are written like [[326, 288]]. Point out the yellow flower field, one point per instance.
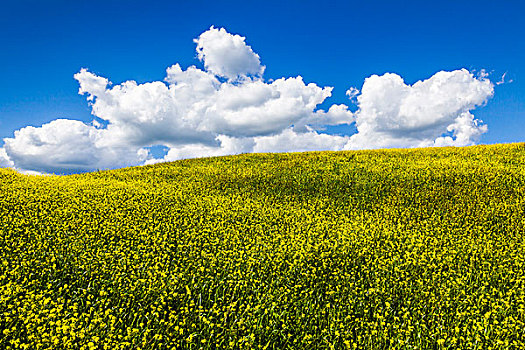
[[388, 249]]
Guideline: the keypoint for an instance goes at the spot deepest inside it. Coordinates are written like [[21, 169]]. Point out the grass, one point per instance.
[[388, 249]]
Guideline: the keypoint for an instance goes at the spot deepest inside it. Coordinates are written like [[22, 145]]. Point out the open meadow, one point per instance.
[[387, 249]]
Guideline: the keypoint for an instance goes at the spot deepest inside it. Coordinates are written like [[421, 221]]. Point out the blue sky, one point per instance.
[[329, 43]]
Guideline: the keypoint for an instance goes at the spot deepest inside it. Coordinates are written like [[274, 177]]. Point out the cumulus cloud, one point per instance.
[[286, 141], [64, 146], [195, 108], [227, 55], [291, 141], [5, 161], [151, 113], [228, 108], [224, 109], [394, 114], [226, 145]]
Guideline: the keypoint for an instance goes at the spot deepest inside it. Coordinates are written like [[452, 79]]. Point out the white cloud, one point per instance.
[[291, 141], [256, 108], [226, 146], [151, 113], [192, 112], [504, 79], [352, 93], [336, 115], [197, 113], [394, 114], [195, 108], [286, 141], [4, 159], [91, 84], [227, 55], [65, 145]]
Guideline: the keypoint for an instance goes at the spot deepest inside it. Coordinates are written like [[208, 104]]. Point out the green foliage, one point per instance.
[[391, 249]]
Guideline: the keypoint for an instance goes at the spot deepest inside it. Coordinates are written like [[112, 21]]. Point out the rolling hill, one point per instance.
[[397, 249]]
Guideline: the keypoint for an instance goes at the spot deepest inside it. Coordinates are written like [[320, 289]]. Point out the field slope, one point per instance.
[[390, 249]]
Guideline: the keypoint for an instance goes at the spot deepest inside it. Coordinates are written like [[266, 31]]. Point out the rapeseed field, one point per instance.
[[388, 249]]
